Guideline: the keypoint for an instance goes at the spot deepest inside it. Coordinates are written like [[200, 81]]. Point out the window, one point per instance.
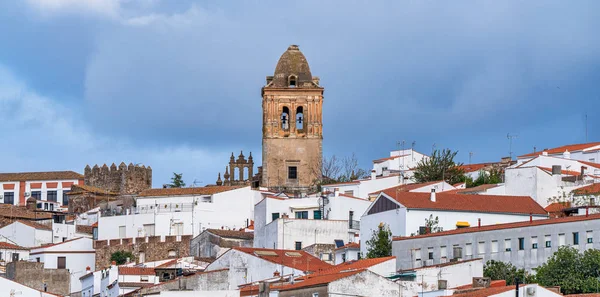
[[148, 229], [575, 238], [52, 196], [548, 241], [561, 239], [443, 252], [315, 295], [430, 253], [61, 263], [299, 118], [302, 215], [343, 257], [418, 254], [9, 198], [507, 247], [65, 198], [494, 246], [275, 216], [37, 195], [292, 172], [172, 253], [350, 193], [317, 214], [469, 249], [122, 232], [481, 247], [534, 242], [298, 245], [292, 81], [521, 243], [207, 199], [37, 259], [178, 228], [144, 278], [589, 236], [285, 114]]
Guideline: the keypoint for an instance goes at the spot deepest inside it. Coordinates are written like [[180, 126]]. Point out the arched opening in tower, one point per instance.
[[300, 119], [285, 118]]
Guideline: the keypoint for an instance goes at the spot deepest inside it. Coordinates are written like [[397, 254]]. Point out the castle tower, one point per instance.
[[292, 124]]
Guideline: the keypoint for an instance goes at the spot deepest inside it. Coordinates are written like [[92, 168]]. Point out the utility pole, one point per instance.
[[510, 140]]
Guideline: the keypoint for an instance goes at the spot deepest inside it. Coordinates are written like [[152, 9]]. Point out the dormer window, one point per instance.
[[293, 81]]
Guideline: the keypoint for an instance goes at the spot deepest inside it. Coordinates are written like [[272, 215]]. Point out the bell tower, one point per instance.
[[292, 102]]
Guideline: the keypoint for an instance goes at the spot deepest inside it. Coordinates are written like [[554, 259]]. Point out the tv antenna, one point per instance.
[[196, 182], [510, 140], [470, 156]]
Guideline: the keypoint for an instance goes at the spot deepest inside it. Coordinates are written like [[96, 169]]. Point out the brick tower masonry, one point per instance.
[[292, 106], [125, 180]]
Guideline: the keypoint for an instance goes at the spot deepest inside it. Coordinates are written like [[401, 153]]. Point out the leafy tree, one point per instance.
[[484, 178], [431, 225], [177, 181], [498, 270], [574, 272], [440, 166], [380, 244], [120, 257], [338, 170]]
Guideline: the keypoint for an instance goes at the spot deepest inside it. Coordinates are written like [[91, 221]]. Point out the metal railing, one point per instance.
[[145, 209]]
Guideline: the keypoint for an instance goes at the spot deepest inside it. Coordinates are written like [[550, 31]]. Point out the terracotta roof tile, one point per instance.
[[477, 189], [78, 189], [589, 189], [232, 234], [124, 270], [565, 172], [350, 245], [20, 212], [84, 229], [135, 285], [318, 280], [469, 203], [10, 246], [377, 161], [562, 149], [584, 295], [407, 187], [557, 206], [474, 167], [355, 265], [49, 175], [485, 292], [35, 225], [494, 283], [303, 261], [187, 191], [523, 224]]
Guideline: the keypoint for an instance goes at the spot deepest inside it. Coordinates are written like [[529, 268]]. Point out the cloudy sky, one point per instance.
[[176, 84]]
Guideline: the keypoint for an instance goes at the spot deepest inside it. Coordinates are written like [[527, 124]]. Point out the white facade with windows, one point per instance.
[[399, 160], [184, 214], [15, 192], [525, 244]]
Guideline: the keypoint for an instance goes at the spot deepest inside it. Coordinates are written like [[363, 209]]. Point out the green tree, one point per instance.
[[380, 244], [440, 166], [431, 226], [484, 178], [574, 272], [120, 257], [177, 181], [498, 270]]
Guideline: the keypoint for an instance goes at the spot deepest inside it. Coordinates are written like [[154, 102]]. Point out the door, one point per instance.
[[61, 263]]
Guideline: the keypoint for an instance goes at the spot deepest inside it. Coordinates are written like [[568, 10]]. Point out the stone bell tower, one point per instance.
[[292, 125]]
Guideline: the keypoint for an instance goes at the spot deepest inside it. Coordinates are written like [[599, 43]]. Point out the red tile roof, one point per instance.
[[303, 261], [589, 189], [31, 176], [377, 161], [562, 149], [557, 206], [35, 225], [124, 270], [355, 265], [84, 229], [470, 203], [584, 295], [10, 246], [474, 167], [523, 224], [477, 189], [232, 234], [485, 292], [406, 187], [313, 281], [20, 212], [494, 283], [187, 191], [351, 245], [565, 172]]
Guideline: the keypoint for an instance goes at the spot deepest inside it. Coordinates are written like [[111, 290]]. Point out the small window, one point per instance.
[[418, 254], [561, 239], [37, 259], [298, 245], [61, 263], [443, 252], [534, 243], [521, 243], [9, 198], [292, 172], [317, 214], [343, 257], [37, 195], [575, 238], [430, 256], [589, 235], [65, 197], [350, 193], [207, 199], [293, 81], [315, 295], [144, 278], [302, 215], [275, 216], [469, 249], [507, 247], [52, 196], [481, 247], [172, 253], [548, 241], [494, 246]]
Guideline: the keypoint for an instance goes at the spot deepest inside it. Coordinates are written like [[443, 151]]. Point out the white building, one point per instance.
[[27, 233], [101, 283], [10, 288], [348, 252], [399, 161], [182, 211], [247, 265], [406, 212], [132, 278], [75, 255], [288, 223], [15, 188], [362, 187], [588, 152], [526, 244], [10, 251]]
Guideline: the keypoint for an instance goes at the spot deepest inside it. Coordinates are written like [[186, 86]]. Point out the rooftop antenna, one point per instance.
[[412, 150], [433, 148], [401, 144], [470, 156], [196, 182], [586, 129], [510, 140]]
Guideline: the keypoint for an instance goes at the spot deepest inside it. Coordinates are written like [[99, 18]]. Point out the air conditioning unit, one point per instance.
[[457, 252], [442, 284], [27, 194], [1, 196], [531, 291]]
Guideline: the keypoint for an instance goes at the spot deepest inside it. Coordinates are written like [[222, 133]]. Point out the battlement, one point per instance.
[[124, 179]]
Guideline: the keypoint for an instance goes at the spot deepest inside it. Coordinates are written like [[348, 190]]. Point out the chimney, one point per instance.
[[113, 263], [530, 217], [432, 196], [567, 154], [276, 274], [336, 192], [373, 175], [544, 153], [87, 269], [479, 222]]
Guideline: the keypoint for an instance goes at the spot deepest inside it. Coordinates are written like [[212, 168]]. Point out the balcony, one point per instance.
[[354, 225]]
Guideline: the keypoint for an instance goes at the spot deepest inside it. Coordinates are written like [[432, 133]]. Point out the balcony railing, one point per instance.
[[145, 209]]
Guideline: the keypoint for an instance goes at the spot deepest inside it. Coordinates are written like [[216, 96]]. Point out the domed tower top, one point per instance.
[[292, 71]]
